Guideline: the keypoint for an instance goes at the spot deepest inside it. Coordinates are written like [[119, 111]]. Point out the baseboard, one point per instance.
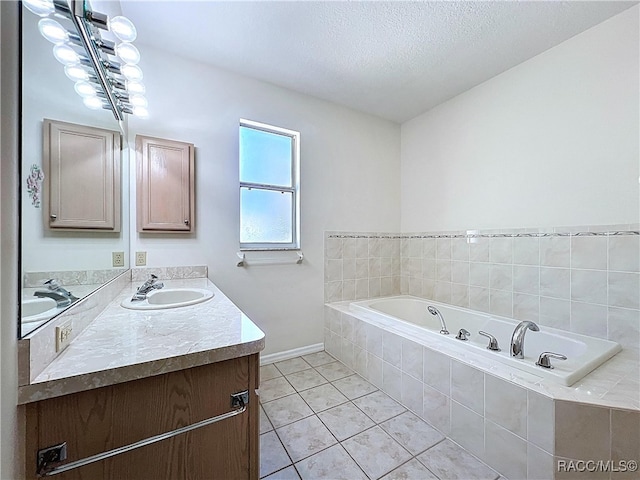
[[286, 355]]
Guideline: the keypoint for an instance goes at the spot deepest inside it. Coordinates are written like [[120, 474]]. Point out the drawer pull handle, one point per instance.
[[44, 469]]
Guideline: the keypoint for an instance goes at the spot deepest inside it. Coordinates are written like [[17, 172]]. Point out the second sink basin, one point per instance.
[[169, 298], [36, 309]]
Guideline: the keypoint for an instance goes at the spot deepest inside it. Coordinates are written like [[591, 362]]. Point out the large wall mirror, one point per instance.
[[78, 259]]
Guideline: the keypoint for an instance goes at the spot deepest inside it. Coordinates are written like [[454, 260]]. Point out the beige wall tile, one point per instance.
[[582, 431]]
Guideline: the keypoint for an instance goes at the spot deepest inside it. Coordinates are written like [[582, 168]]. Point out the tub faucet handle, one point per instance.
[[544, 361], [463, 335], [493, 341]]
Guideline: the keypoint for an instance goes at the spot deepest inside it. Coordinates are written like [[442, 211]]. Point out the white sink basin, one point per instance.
[[36, 309], [169, 298]]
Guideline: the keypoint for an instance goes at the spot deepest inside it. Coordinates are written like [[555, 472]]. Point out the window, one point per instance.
[[269, 187]]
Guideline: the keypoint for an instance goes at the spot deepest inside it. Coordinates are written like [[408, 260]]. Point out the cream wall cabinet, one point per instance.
[[82, 173], [165, 185]]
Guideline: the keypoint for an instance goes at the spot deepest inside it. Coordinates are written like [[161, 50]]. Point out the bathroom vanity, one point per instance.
[[165, 393]]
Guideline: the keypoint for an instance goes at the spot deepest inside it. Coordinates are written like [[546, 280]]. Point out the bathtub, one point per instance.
[[409, 316]]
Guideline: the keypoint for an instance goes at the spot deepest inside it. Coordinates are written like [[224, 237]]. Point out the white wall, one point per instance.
[[349, 180], [551, 142]]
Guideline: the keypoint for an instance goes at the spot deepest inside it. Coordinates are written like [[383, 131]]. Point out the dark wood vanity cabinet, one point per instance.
[[105, 418]]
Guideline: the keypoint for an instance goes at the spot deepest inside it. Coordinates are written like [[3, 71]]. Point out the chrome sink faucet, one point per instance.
[[62, 296], [517, 339], [146, 287], [443, 327]]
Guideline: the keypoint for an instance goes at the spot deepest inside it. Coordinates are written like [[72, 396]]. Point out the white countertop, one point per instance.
[[122, 345]]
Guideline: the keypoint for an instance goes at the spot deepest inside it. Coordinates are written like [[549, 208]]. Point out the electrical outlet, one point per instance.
[[141, 259], [55, 454], [63, 335], [117, 259]]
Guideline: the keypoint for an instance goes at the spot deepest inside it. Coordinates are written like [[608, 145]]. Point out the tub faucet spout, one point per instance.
[[434, 311], [517, 339]]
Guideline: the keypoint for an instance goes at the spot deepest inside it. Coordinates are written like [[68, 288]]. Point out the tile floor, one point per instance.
[[319, 420]]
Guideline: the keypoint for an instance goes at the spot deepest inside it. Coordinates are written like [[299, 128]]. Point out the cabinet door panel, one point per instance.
[[98, 420], [165, 185], [82, 168]]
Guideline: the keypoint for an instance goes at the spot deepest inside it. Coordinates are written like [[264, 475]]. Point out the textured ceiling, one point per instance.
[[392, 59]]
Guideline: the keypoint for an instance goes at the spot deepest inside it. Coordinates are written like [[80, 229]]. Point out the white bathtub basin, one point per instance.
[[169, 298], [408, 315]]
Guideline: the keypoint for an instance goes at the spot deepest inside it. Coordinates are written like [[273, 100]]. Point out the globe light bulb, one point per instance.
[[141, 112], [131, 72], [85, 89], [76, 73], [135, 86], [41, 8], [65, 54], [52, 31], [128, 53], [123, 28], [94, 103], [138, 101]]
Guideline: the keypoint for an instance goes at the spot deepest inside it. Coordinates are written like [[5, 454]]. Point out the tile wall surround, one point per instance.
[[71, 277], [518, 431], [37, 350], [581, 279], [140, 274]]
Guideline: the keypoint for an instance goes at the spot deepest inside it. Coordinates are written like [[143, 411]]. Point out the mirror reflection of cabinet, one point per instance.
[[165, 185], [82, 168]]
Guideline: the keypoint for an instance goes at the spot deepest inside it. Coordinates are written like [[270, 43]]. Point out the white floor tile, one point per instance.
[[265, 424], [288, 473], [319, 358], [376, 452], [412, 433], [345, 420], [378, 406], [334, 371], [305, 437], [273, 456], [275, 388], [412, 470], [305, 379], [323, 397], [286, 410], [267, 372], [354, 386], [334, 463], [449, 461], [292, 365]]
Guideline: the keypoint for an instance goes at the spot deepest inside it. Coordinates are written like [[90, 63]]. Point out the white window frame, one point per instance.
[[294, 189]]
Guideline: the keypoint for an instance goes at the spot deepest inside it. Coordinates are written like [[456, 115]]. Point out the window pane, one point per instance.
[[265, 216], [265, 157]]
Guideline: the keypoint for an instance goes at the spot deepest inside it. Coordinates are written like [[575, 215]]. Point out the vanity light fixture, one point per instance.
[[105, 74]]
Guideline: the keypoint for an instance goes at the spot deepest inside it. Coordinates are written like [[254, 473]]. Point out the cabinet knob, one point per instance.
[[53, 216], [186, 222]]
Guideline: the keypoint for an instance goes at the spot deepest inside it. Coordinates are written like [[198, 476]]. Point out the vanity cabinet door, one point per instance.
[[94, 421], [165, 185], [82, 171]]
